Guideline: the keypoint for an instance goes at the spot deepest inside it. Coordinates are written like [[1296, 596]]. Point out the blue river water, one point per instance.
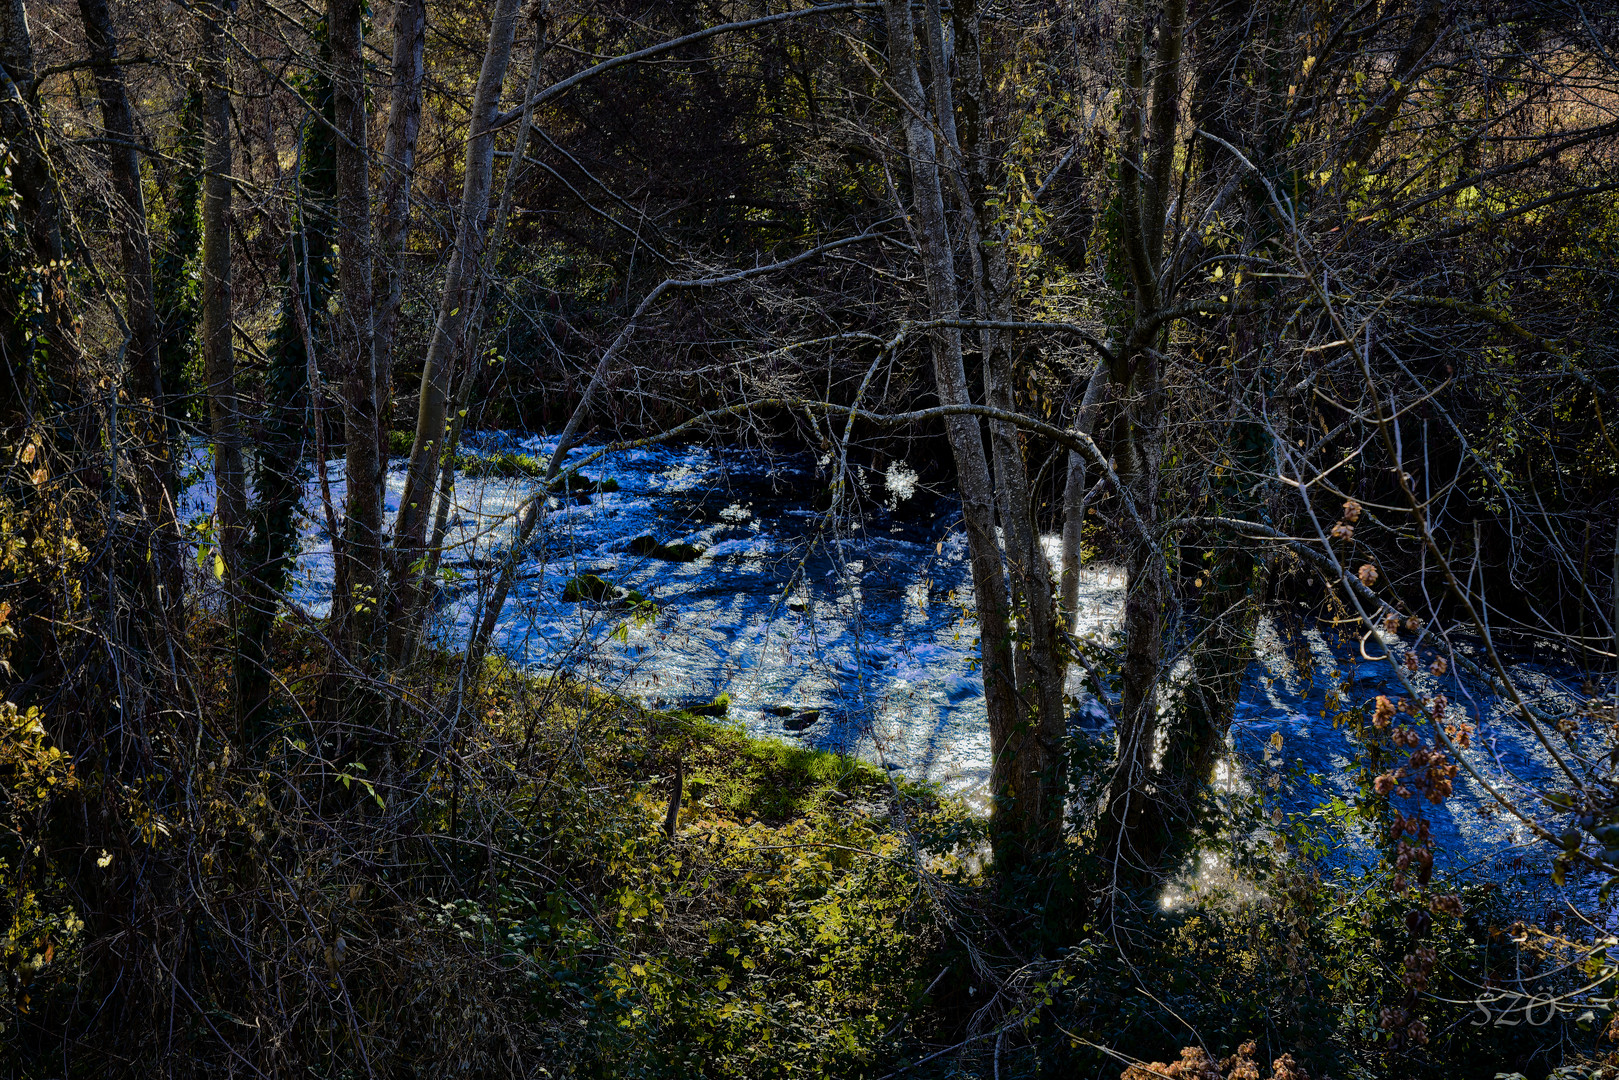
[[858, 639]]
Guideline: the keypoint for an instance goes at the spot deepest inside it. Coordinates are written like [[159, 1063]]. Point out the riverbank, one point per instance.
[[531, 871]]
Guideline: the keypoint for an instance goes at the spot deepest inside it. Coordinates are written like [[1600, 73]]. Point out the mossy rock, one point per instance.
[[803, 721], [720, 706], [587, 586], [651, 547], [575, 483], [595, 589], [508, 465]]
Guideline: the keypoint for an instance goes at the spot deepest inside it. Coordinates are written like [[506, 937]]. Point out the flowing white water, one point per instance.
[[860, 640]]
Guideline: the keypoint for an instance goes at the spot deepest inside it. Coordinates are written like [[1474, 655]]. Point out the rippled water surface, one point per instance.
[[858, 641]]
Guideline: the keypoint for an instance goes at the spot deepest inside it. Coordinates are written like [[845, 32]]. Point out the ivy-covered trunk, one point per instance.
[[280, 470]]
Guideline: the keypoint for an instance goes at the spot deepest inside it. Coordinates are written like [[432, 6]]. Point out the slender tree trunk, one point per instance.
[[1132, 821], [354, 593], [1038, 671], [455, 309], [177, 302], [230, 507], [30, 172], [1428, 25], [280, 472], [1011, 740], [1073, 500], [399, 171], [152, 455], [469, 368], [124, 169]]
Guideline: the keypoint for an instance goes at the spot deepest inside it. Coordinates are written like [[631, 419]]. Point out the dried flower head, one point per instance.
[[1285, 1068], [1352, 511], [1384, 712], [1448, 905], [1195, 1064], [1367, 574], [1438, 666]]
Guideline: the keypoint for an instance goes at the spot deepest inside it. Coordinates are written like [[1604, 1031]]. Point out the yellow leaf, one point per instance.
[[219, 566], [1276, 739]]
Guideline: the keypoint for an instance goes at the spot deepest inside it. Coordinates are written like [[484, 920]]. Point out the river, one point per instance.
[[857, 638]]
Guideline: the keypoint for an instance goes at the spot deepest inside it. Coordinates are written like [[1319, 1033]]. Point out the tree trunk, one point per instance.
[[177, 302], [398, 172], [230, 505], [280, 472], [151, 456], [1011, 740], [1073, 501], [354, 592], [469, 369], [1038, 672], [40, 209], [1429, 24], [455, 309], [1132, 821]]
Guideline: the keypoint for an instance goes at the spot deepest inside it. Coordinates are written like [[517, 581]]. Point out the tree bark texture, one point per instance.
[[219, 360], [32, 181], [449, 330], [364, 414], [152, 457], [1014, 745], [399, 170]]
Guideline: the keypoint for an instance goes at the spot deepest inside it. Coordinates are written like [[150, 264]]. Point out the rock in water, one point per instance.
[[803, 720], [651, 547], [720, 706], [596, 589], [585, 587]]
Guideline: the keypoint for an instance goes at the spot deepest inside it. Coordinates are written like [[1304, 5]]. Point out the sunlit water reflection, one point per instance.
[[859, 639]]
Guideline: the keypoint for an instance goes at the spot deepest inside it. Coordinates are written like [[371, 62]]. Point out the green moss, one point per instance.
[[651, 547], [770, 780], [593, 588], [508, 465]]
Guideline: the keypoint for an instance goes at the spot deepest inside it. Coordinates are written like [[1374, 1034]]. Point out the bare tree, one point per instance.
[[399, 168], [364, 414], [154, 456], [217, 322], [455, 308]]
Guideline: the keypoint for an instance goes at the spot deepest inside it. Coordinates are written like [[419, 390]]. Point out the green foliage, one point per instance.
[[175, 270], [507, 464], [40, 928], [779, 933]]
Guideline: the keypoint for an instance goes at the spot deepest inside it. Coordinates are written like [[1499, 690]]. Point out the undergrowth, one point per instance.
[[502, 890]]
